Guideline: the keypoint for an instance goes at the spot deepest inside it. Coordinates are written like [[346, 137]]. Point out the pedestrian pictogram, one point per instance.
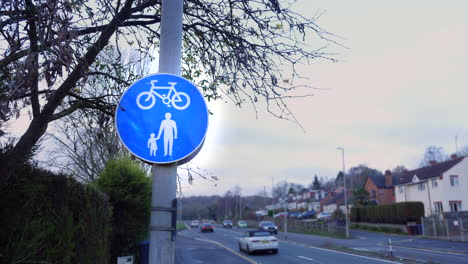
[[162, 118]]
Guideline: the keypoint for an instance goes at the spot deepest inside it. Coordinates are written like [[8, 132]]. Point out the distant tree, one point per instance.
[[463, 151], [339, 180], [291, 190], [399, 169], [338, 215], [85, 141], [297, 187], [433, 153], [129, 191], [316, 184], [280, 189], [357, 175], [360, 197]]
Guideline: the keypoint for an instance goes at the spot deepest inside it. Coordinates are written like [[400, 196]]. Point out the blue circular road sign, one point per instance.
[[162, 118]]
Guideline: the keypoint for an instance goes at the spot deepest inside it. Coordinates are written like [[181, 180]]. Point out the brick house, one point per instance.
[[381, 189]]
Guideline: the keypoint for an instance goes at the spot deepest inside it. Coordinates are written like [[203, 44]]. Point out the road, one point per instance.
[[290, 252], [298, 248]]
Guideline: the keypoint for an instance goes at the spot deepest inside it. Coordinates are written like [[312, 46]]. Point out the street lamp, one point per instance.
[[345, 193]]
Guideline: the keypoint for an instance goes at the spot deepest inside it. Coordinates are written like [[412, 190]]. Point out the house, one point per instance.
[[314, 205], [442, 187], [338, 201], [381, 188]]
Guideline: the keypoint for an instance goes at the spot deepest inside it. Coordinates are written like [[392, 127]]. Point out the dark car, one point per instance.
[[227, 224], [268, 226], [206, 228], [307, 215]]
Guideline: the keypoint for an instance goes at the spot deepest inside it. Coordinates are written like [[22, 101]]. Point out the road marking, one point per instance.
[[344, 253], [313, 260], [430, 250]]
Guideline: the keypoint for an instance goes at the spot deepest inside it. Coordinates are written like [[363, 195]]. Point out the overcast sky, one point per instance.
[[400, 86]]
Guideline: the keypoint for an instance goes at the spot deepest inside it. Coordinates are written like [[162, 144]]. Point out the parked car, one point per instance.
[[307, 215], [293, 215], [268, 226], [279, 215], [194, 223], [242, 224], [254, 241], [206, 227], [227, 224], [324, 216]]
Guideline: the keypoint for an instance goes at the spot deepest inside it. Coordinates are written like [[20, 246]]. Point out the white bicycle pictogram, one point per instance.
[[179, 100]]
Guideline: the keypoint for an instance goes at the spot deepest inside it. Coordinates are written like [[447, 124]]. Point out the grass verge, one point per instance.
[[319, 233], [380, 229], [181, 226]]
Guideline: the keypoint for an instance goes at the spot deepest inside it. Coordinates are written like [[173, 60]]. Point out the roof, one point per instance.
[[379, 181], [339, 198], [428, 172]]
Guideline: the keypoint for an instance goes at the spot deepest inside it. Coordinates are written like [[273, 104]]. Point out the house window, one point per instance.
[[438, 207], [434, 183], [373, 194], [454, 180], [455, 206], [400, 189], [421, 186]]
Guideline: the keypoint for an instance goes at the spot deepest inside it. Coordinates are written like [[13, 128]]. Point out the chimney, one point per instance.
[[454, 156], [388, 178], [432, 162]]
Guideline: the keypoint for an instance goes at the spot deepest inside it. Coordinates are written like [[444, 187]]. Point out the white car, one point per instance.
[[255, 241], [324, 216], [194, 223]]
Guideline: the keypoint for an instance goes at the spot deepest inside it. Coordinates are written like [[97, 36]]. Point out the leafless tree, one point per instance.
[[433, 153], [232, 49]]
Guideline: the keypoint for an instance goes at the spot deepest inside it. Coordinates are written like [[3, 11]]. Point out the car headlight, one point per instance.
[[276, 227]]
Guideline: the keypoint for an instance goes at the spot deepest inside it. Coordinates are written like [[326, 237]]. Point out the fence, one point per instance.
[[449, 226], [311, 226]]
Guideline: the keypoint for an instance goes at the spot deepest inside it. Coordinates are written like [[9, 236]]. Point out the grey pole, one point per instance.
[[273, 194], [162, 245], [345, 194]]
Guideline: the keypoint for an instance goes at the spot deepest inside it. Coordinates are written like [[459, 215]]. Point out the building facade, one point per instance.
[[442, 187]]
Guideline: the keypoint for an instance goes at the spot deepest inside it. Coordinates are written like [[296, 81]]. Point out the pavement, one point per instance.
[[415, 242]]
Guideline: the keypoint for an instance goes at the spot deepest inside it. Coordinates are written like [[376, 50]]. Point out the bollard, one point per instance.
[[390, 248]]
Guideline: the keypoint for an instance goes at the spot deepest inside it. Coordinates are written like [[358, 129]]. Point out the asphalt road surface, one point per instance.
[[222, 247]]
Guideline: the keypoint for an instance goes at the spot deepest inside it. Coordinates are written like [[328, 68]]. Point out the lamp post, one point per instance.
[[345, 193]]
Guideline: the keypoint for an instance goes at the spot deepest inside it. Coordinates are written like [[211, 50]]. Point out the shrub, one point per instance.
[[129, 191], [50, 218]]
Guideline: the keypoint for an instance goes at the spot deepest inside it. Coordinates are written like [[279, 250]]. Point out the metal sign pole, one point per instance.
[[162, 244]]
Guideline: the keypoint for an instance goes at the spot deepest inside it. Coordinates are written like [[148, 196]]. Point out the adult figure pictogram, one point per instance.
[[169, 129]]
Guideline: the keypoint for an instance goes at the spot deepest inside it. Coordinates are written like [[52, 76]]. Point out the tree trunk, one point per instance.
[[38, 126]]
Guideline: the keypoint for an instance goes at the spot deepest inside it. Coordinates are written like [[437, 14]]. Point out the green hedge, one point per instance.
[[397, 213], [50, 218], [129, 192]]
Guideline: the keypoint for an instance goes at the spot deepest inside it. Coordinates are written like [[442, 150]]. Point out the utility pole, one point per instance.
[[273, 194], [285, 213], [162, 239], [345, 193], [240, 207]]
